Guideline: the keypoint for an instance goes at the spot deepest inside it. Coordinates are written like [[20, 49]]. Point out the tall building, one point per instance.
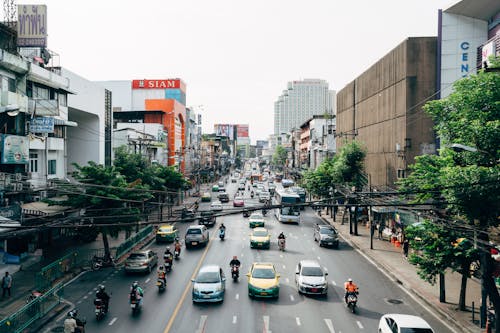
[[301, 101]]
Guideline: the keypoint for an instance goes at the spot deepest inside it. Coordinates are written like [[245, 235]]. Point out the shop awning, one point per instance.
[[383, 210], [8, 224], [41, 208]]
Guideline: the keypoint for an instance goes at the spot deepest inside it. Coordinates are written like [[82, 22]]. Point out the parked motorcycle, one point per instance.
[[100, 262], [352, 300], [235, 272], [281, 244], [222, 234]]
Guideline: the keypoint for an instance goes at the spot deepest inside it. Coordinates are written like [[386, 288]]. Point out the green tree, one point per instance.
[[137, 169], [279, 157], [318, 182], [110, 203], [468, 181], [348, 165]]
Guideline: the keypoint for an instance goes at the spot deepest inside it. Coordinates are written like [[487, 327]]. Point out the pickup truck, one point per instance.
[[207, 218]]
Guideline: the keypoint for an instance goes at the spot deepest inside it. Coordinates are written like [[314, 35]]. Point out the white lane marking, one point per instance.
[[79, 302], [292, 298], [319, 258], [147, 280], [237, 296], [359, 324], [329, 324], [242, 255], [284, 267], [235, 319], [281, 256], [95, 289], [112, 321], [85, 297], [287, 280], [314, 248], [90, 293], [305, 235], [201, 327], [266, 324], [334, 283], [297, 319]]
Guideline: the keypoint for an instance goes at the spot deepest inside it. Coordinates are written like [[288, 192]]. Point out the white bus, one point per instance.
[[287, 214]]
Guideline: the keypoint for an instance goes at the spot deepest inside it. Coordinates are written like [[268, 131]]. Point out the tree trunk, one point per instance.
[[105, 243], [463, 285], [442, 289]]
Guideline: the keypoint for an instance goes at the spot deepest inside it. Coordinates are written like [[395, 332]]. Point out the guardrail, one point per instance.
[[129, 243], [56, 270], [32, 311]]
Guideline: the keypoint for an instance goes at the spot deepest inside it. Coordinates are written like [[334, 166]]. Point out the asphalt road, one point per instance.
[[173, 310]]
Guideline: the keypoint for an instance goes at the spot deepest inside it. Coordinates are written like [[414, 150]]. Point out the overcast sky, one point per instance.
[[235, 56]]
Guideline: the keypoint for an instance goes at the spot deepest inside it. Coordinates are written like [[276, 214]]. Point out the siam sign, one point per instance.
[[156, 84]]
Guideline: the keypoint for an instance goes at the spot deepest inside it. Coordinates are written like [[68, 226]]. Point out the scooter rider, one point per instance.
[[177, 246], [234, 262], [222, 227], [350, 288], [168, 255], [136, 292], [102, 295], [281, 236], [70, 323]]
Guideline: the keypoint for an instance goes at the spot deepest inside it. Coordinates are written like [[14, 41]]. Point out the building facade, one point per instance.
[[300, 101], [382, 108]]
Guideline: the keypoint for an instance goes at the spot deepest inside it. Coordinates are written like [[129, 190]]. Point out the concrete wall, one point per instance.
[[382, 108]]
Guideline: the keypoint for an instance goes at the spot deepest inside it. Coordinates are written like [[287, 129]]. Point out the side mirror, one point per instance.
[[297, 272], [247, 274], [326, 273], [192, 280], [223, 279], [278, 275]]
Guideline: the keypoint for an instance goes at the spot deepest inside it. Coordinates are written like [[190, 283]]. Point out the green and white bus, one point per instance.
[[289, 212]]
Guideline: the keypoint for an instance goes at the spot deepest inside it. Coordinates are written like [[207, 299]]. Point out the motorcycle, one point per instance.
[[100, 309], [352, 300], [168, 262], [222, 234], [177, 253], [80, 323], [281, 244], [135, 304], [252, 195], [161, 284], [264, 212], [246, 213], [235, 272], [100, 262]]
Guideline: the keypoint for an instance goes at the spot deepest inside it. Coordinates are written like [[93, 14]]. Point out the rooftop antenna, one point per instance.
[[9, 12]]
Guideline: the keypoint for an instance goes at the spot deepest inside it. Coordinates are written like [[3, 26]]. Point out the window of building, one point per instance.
[[33, 162], [52, 167], [40, 93]]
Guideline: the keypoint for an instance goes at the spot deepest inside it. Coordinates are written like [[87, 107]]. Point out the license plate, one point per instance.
[[289, 220], [263, 294], [194, 243], [260, 244], [132, 306], [330, 243], [314, 290], [206, 296]]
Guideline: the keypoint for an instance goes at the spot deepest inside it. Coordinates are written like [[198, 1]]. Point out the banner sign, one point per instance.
[[242, 131], [156, 84], [32, 25], [42, 125], [15, 149], [224, 130]]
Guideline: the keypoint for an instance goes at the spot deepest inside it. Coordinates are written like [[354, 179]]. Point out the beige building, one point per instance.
[[382, 108]]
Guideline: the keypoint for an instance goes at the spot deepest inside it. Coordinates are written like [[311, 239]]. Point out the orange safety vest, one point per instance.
[[350, 287]]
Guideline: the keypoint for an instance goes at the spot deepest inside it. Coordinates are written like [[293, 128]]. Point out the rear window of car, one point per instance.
[[193, 231], [137, 256], [263, 273]]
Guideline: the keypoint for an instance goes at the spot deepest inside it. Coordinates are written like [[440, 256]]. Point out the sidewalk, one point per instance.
[[390, 259], [23, 275]]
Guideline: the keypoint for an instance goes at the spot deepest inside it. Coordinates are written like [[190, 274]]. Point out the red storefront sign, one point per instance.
[[156, 84]]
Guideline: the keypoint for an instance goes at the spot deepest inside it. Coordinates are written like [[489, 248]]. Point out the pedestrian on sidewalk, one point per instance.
[[406, 247], [6, 284]]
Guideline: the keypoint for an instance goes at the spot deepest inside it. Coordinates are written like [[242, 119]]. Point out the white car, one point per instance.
[[264, 196], [402, 323], [310, 278], [216, 206]]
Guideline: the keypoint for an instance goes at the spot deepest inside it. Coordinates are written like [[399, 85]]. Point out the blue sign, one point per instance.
[[42, 125]]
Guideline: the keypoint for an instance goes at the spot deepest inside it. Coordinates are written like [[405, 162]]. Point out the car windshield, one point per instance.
[[137, 256], [312, 271], [238, 199], [193, 231], [263, 273], [208, 277], [327, 231], [415, 330], [256, 216], [289, 211], [165, 229], [260, 233]]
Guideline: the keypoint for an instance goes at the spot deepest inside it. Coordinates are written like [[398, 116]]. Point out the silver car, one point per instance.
[[310, 278], [141, 261], [209, 285], [326, 235], [196, 235]]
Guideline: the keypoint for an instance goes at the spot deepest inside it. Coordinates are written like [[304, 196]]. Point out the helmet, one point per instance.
[[167, 249], [349, 280], [160, 268], [73, 313], [101, 287], [135, 284]]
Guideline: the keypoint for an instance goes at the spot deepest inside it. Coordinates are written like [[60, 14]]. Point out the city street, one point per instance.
[[173, 310]]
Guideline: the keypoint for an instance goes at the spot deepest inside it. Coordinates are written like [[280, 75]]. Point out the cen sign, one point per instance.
[[156, 84]]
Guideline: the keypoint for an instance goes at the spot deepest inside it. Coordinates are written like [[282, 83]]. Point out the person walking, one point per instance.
[[406, 247], [6, 284]]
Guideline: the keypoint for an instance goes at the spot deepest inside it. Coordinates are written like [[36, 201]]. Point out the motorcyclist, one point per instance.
[[350, 288], [177, 246], [168, 254], [281, 236], [251, 194], [136, 292], [196, 205], [234, 262], [222, 227], [162, 274], [102, 295], [70, 323]]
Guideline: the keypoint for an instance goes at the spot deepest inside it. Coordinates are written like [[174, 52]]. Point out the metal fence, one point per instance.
[[129, 243], [56, 270], [32, 311]]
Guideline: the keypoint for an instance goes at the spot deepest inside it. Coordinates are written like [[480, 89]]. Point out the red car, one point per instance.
[[238, 202]]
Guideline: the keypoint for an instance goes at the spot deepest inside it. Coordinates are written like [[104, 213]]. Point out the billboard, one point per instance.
[[242, 131], [224, 130], [32, 25], [158, 84], [15, 149], [42, 125]]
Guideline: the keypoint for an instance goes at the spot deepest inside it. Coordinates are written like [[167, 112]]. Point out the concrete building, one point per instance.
[[300, 101], [316, 141], [382, 108]]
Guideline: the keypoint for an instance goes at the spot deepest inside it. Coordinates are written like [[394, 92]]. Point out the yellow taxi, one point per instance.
[[206, 197], [263, 280], [260, 238], [166, 233]]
